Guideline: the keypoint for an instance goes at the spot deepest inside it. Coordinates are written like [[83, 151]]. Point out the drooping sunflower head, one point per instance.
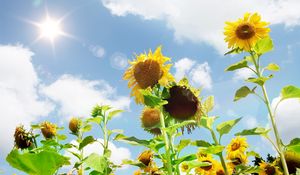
[[23, 139], [206, 170], [245, 32], [237, 159], [150, 117], [146, 71], [292, 160], [220, 170], [48, 130], [269, 169], [74, 125], [146, 157], [236, 147]]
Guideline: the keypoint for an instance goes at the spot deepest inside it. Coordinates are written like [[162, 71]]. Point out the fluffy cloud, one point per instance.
[[199, 74], [20, 102], [77, 96], [117, 153], [97, 51], [287, 118], [203, 21], [242, 74]]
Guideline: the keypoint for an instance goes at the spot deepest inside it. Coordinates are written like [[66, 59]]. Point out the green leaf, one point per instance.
[[132, 140], [252, 153], [176, 126], [96, 120], [201, 143], [214, 149], [182, 144], [152, 100], [96, 162], [208, 104], [294, 145], [87, 140], [44, 162], [134, 163], [263, 46], [234, 51], [225, 127], [113, 113], [207, 122], [290, 92], [272, 67], [239, 65], [254, 131], [86, 128], [61, 137], [189, 157], [243, 169], [243, 92], [295, 141], [260, 81]]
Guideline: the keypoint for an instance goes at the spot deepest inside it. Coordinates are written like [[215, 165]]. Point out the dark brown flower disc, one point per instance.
[[150, 117], [74, 125], [182, 103], [245, 31], [292, 161], [270, 170], [147, 73], [22, 139], [48, 130], [146, 157]]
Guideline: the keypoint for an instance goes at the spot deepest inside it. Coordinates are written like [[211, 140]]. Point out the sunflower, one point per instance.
[[269, 169], [237, 159], [292, 160], [206, 170], [74, 125], [184, 167], [137, 172], [236, 147], [245, 32], [146, 157], [48, 130], [150, 117], [220, 169], [146, 71], [23, 139]]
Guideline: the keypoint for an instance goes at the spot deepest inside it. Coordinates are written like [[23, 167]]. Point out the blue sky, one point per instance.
[[67, 80]]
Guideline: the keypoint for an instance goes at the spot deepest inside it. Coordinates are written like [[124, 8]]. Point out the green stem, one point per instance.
[[105, 140], [266, 100], [80, 135], [167, 143], [221, 153]]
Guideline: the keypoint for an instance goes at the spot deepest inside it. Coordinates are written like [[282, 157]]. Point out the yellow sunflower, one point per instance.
[[48, 130], [220, 169], [146, 71], [184, 167], [245, 32], [269, 169], [238, 159], [206, 170], [236, 147]]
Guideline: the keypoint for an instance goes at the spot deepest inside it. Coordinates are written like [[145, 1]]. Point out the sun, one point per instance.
[[50, 28]]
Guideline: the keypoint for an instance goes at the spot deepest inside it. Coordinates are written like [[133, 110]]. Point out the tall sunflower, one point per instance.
[[146, 71], [236, 147], [245, 32], [206, 170], [269, 169]]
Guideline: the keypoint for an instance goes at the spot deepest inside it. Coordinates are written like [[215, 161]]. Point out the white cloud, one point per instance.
[[287, 118], [20, 102], [117, 153], [242, 74], [250, 122], [119, 61], [203, 21], [97, 51], [77, 96], [199, 74]]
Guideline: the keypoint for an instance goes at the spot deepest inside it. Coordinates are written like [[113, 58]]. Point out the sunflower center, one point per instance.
[[237, 161], [150, 117], [245, 31], [147, 73], [270, 170], [220, 172], [182, 103], [207, 168], [235, 146]]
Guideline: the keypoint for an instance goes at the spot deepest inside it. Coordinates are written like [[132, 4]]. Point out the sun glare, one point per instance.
[[50, 29]]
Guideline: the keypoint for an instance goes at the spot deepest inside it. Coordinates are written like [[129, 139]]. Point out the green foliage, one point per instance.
[[208, 104], [44, 162], [201, 143], [96, 162], [225, 127], [132, 140], [254, 131], [260, 80], [290, 92], [213, 149], [87, 140], [264, 45], [243, 92], [239, 65], [272, 67], [152, 100], [207, 122], [294, 145]]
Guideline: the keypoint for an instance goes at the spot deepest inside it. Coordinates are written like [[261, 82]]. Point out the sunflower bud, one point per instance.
[[48, 130], [150, 117], [23, 139], [182, 103], [146, 157], [74, 125]]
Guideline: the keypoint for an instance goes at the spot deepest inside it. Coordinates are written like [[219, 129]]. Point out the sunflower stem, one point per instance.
[[167, 143], [266, 100], [221, 153]]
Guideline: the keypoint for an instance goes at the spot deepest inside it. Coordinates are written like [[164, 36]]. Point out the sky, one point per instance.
[[43, 80]]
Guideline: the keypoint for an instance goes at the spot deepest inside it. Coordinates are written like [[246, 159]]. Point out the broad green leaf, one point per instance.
[[132, 140], [290, 92], [182, 144], [294, 146], [243, 169], [260, 81], [201, 143], [116, 131], [239, 65], [96, 162], [252, 153], [86, 128], [113, 113], [44, 162], [295, 141], [208, 104], [263, 46], [254, 131], [272, 67], [87, 140], [242, 93], [152, 100], [176, 126], [207, 122], [189, 157], [234, 51], [134, 163], [61, 137], [225, 127], [214, 149], [97, 119]]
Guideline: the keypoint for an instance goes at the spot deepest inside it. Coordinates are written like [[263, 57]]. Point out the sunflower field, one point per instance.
[[171, 111]]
